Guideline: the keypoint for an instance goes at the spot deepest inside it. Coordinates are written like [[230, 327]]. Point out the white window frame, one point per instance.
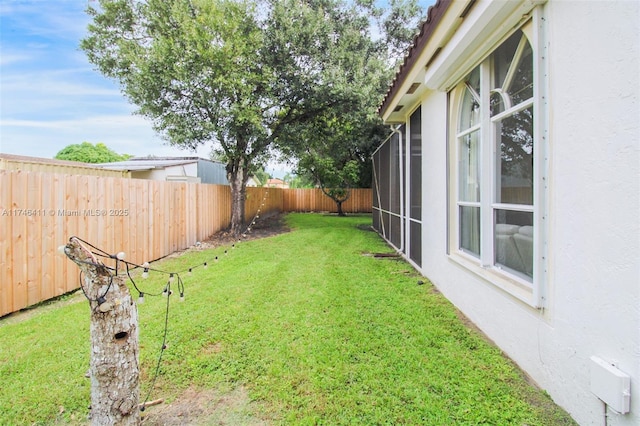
[[531, 291]]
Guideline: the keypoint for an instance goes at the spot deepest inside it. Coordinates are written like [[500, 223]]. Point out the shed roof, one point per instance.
[[150, 163]]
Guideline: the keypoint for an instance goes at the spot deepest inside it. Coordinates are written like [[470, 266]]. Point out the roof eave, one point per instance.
[[428, 27]]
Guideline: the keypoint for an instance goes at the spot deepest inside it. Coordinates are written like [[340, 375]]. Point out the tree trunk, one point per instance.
[[114, 341], [238, 196], [237, 175], [339, 196]]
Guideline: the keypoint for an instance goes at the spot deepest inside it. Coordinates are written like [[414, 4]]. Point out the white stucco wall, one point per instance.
[[593, 283]]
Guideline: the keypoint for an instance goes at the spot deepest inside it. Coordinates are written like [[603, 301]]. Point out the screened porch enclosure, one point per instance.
[[397, 189]]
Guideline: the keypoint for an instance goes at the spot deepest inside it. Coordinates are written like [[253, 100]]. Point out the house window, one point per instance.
[[494, 113]]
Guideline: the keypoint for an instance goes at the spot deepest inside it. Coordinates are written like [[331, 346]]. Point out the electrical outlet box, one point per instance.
[[611, 385]]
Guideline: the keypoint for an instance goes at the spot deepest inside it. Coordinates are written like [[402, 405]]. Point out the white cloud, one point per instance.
[[13, 58], [123, 133]]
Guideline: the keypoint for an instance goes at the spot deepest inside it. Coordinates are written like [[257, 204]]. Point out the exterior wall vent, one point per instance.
[[413, 88]]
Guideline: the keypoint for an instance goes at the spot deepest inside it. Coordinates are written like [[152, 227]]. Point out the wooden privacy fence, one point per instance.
[[146, 219], [313, 200]]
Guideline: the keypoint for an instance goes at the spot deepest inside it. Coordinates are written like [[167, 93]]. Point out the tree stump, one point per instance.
[[114, 340]]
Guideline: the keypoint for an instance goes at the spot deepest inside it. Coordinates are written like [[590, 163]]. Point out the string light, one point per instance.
[[145, 272], [102, 301], [166, 292]]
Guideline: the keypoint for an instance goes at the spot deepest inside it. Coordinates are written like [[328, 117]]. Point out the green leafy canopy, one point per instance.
[[89, 153], [243, 76]]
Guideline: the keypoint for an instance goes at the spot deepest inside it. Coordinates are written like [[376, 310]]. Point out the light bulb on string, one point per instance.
[[171, 278], [182, 296], [190, 271], [205, 265], [216, 259], [141, 298], [121, 255], [145, 272]]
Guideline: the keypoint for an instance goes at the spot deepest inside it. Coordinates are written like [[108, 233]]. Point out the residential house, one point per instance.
[[512, 181], [276, 183], [174, 169]]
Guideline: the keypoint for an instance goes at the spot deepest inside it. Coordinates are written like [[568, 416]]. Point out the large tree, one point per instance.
[[337, 152], [339, 140], [194, 69], [235, 74]]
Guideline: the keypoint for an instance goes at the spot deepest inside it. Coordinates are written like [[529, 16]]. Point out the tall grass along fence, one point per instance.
[[146, 219]]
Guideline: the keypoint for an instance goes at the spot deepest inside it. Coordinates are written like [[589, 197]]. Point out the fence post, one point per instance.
[[114, 340]]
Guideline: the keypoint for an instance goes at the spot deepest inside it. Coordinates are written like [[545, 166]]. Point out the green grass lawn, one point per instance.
[[315, 330]]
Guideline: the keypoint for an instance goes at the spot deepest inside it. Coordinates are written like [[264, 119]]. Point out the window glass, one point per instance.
[[521, 85], [469, 167], [470, 111], [513, 243], [512, 68], [470, 229], [514, 136]]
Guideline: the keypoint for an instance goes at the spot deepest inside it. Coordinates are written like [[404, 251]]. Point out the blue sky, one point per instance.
[[50, 95]]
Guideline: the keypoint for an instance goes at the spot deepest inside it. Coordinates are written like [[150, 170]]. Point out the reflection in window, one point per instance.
[[515, 158], [514, 241], [469, 168], [502, 212], [512, 81], [470, 111], [470, 229]]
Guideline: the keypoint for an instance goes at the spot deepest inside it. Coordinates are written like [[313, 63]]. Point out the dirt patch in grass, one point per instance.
[[205, 407], [264, 227]]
